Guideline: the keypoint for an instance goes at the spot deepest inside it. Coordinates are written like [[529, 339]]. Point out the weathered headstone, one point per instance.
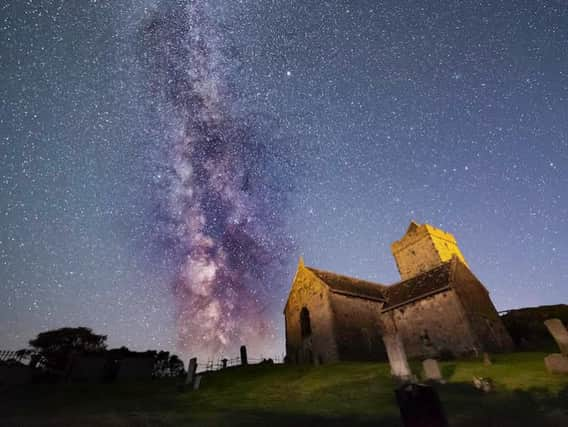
[[487, 359], [556, 363], [191, 369], [135, 369], [559, 333], [224, 363], [432, 370], [397, 357], [420, 406], [475, 351], [197, 382], [244, 359]]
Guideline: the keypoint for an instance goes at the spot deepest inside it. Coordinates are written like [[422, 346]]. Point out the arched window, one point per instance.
[[305, 325]]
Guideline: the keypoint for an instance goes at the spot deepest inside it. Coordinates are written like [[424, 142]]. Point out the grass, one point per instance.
[[354, 394]]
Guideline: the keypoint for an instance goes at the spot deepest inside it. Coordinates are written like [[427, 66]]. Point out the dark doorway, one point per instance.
[[305, 325]]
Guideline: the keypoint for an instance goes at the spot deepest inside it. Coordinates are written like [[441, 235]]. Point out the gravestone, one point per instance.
[[197, 382], [487, 359], [191, 369], [559, 333], [420, 406], [432, 370], [556, 363], [224, 363], [135, 369], [316, 361], [397, 357], [244, 359]]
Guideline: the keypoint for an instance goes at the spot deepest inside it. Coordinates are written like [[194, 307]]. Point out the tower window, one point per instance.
[[305, 325]]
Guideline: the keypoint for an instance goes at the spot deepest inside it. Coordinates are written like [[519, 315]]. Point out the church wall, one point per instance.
[[308, 291], [358, 328], [434, 325], [483, 317]]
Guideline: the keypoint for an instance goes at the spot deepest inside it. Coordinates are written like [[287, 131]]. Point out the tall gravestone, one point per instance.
[[557, 363], [244, 358], [191, 369], [559, 333], [397, 357], [431, 370], [197, 382]]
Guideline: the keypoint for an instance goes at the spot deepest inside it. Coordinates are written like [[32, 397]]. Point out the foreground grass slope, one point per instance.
[[354, 394]]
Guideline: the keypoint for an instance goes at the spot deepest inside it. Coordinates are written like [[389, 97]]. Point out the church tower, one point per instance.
[[422, 248]]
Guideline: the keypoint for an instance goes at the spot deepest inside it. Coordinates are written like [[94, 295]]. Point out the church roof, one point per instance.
[[405, 292], [349, 285], [433, 281]]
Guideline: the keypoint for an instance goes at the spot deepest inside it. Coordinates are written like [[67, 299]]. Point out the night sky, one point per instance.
[[164, 164]]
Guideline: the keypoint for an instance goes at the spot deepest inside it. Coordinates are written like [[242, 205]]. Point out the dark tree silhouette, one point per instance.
[[176, 366], [55, 347], [168, 365]]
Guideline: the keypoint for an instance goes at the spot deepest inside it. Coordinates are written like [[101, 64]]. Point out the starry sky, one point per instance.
[[164, 163]]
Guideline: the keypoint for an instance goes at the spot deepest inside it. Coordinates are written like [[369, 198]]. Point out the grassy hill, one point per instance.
[[353, 394], [526, 326]]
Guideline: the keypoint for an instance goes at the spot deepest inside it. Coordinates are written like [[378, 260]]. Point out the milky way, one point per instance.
[[150, 157], [219, 208]]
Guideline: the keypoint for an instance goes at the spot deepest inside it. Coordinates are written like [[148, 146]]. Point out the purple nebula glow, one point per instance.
[[219, 205]]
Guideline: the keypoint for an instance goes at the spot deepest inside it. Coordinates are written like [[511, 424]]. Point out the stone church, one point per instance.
[[438, 309]]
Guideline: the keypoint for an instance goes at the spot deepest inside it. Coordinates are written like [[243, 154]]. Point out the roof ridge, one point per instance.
[[438, 267], [347, 285], [344, 275], [420, 286]]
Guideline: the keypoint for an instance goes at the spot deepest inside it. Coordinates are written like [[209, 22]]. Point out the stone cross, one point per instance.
[[432, 370], [559, 333], [192, 367], [244, 359], [397, 357]]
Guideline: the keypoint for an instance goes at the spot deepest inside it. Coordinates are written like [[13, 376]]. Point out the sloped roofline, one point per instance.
[[383, 289], [364, 287], [338, 290], [448, 285]]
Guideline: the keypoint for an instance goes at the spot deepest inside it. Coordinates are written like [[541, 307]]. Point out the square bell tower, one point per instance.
[[422, 248]]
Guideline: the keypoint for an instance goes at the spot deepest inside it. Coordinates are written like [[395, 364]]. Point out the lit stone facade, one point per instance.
[[439, 308], [422, 248]]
